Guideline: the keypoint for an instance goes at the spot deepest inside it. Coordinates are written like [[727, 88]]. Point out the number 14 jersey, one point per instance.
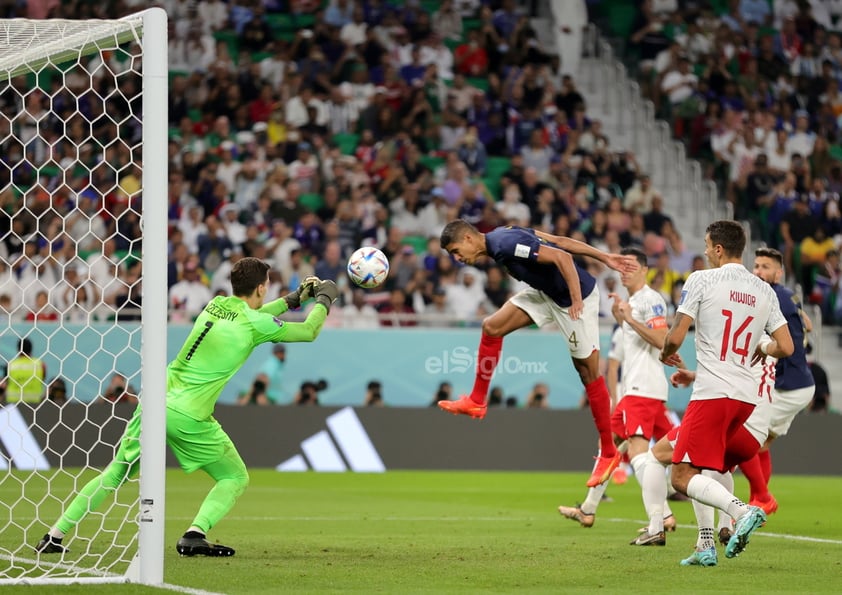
[[732, 308]]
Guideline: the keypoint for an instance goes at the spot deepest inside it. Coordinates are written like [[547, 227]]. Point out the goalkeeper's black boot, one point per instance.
[[50, 545], [194, 543]]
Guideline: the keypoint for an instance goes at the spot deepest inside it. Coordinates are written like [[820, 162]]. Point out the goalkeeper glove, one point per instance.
[[326, 293], [305, 291]]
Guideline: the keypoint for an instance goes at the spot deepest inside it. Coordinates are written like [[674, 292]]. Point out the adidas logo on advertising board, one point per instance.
[[20, 446], [344, 445]]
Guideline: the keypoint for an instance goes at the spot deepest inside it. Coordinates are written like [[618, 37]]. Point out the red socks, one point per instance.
[[765, 458], [753, 471], [600, 404], [487, 358]]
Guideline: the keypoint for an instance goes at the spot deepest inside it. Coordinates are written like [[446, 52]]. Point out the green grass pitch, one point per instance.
[[438, 532]]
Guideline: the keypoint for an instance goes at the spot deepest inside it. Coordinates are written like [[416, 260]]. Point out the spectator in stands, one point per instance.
[[118, 391], [536, 154], [43, 310], [339, 13], [397, 312], [331, 265], [471, 58], [813, 251], [443, 393], [308, 394], [190, 295], [829, 283], [640, 196], [374, 394], [358, 314], [212, 243], [538, 397], [77, 296], [797, 224], [57, 391], [471, 151], [255, 395], [680, 87], [512, 210]]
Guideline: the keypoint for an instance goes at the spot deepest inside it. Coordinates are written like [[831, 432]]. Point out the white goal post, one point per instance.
[[82, 184]]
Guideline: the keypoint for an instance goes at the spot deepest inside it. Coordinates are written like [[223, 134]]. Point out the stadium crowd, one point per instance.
[[300, 132], [752, 86]]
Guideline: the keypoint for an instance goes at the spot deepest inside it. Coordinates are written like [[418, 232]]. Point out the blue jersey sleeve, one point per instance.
[[513, 243]]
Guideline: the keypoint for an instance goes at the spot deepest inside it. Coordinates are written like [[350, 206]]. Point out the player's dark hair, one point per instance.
[[728, 234], [454, 231], [771, 253], [638, 254], [246, 274], [25, 346]]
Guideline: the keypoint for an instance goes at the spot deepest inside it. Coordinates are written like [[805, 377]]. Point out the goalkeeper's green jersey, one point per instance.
[[223, 337]]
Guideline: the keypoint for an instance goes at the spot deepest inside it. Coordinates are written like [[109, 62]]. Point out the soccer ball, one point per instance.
[[368, 267]]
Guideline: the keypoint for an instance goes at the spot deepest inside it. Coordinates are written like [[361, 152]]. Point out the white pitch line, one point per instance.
[[188, 590], [760, 532], [487, 519]]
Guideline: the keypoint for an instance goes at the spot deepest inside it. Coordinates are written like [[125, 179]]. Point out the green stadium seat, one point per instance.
[[312, 201], [430, 6], [418, 243], [303, 21], [280, 21], [231, 40], [621, 17], [471, 24], [497, 166], [432, 162], [480, 83], [347, 142]]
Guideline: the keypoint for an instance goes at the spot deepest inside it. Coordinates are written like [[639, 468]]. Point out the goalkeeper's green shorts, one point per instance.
[[129, 450], [196, 443]]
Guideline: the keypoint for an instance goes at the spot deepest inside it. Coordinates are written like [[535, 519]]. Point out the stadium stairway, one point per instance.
[[601, 95]]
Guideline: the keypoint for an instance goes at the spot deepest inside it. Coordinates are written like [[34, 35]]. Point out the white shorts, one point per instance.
[[758, 422], [582, 335], [786, 404]]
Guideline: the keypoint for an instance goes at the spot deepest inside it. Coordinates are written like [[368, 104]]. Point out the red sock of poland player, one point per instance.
[[753, 471], [487, 358], [600, 404], [765, 458]]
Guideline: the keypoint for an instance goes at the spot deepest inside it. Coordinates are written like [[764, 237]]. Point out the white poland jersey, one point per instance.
[[761, 418], [732, 309], [643, 374]]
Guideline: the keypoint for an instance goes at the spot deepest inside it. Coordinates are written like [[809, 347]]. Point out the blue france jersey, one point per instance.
[[516, 248], [792, 372]]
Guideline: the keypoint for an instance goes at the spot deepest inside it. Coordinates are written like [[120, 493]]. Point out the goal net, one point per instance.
[[83, 162]]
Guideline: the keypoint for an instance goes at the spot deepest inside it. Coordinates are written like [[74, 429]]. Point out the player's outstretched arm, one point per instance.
[[326, 292], [309, 329], [617, 262]]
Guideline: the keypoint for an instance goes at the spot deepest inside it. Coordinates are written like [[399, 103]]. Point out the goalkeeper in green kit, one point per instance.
[[223, 337]]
